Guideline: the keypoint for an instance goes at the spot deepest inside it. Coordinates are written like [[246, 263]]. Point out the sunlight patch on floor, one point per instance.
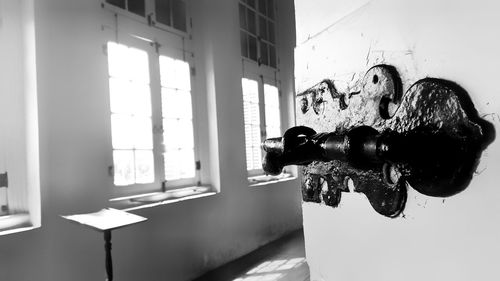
[[272, 270]]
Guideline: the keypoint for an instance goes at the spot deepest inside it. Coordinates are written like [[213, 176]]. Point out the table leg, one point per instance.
[[107, 248]]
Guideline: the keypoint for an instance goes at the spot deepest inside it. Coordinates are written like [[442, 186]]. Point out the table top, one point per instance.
[[106, 219]]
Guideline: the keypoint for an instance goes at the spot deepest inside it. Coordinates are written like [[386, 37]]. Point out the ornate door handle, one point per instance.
[[432, 141]]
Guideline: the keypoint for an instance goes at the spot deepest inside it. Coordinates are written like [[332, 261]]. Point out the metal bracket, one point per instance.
[[430, 138]]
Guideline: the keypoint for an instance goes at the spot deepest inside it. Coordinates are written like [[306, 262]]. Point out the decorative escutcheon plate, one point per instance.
[[430, 138]]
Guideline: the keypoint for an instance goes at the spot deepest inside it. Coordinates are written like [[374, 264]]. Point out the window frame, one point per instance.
[[194, 105], [262, 75], [149, 18], [156, 42], [132, 42], [255, 77], [258, 14], [260, 72]]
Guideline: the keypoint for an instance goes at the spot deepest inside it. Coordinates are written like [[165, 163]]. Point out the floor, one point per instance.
[[281, 260]]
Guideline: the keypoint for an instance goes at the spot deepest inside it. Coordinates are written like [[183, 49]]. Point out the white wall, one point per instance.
[[452, 239], [18, 114], [179, 241]]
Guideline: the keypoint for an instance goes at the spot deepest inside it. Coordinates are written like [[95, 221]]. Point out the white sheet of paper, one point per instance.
[[106, 219]]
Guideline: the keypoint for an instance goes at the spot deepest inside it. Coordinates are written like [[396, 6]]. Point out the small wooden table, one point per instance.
[[105, 221]]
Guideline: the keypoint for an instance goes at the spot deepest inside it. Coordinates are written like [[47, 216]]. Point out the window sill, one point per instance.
[[149, 200], [266, 180], [15, 223]]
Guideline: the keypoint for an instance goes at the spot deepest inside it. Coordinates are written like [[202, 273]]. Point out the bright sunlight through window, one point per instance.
[[178, 139], [132, 117], [131, 124], [272, 110], [252, 123], [274, 270]]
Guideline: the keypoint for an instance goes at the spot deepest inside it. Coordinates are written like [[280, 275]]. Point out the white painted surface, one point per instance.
[[179, 241], [18, 108], [455, 239]]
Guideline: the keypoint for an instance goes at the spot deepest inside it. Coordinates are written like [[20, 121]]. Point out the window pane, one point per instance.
[[128, 63], [131, 124], [263, 28], [251, 3], [251, 22], [137, 65], [254, 115], [175, 73], [137, 7], [250, 90], [141, 99], [120, 96], [183, 75], [179, 164], [117, 3], [252, 123], [273, 132], [263, 53], [270, 9], [263, 6], [179, 14], [271, 31], [252, 48], [117, 64], [178, 133], [243, 16], [162, 11], [123, 163], [272, 56], [272, 111], [271, 95], [248, 136], [187, 163], [143, 133], [244, 44], [144, 166], [178, 136], [176, 104], [254, 148], [248, 146], [167, 71], [257, 157], [255, 136], [251, 113], [121, 133]]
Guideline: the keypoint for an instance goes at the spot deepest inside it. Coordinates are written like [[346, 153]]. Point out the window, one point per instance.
[[153, 143], [131, 117], [261, 118], [261, 99], [137, 7], [257, 31], [20, 204], [166, 14], [155, 112], [171, 13], [252, 124], [177, 118], [272, 107]]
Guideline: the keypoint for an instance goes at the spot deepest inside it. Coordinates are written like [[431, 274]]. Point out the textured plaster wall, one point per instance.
[[451, 239]]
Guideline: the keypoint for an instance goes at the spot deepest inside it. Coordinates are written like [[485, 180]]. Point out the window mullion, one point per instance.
[[262, 109], [194, 102], [156, 115]]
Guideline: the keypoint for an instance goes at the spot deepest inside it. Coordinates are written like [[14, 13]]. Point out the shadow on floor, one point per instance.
[[281, 260]]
